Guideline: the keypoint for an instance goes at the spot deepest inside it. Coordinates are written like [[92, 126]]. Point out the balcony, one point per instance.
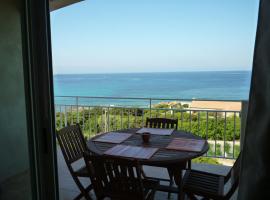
[[220, 127]]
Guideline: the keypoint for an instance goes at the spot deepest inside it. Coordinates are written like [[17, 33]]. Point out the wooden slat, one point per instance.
[[72, 143], [162, 123]]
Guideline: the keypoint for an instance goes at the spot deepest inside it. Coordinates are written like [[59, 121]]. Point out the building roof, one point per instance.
[[57, 4], [216, 105]]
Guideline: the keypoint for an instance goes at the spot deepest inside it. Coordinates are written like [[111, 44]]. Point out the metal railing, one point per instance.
[[221, 128]]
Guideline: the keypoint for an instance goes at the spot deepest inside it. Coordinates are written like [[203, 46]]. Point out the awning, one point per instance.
[[57, 4]]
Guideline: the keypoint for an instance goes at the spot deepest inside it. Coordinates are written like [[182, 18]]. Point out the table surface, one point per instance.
[[163, 156]]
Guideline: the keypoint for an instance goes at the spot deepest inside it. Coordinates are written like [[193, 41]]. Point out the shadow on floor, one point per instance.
[[68, 189]]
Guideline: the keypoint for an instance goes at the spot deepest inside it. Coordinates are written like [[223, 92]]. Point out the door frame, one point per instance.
[[38, 78]]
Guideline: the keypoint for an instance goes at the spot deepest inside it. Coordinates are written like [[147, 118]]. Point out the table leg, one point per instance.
[[177, 175], [178, 181]]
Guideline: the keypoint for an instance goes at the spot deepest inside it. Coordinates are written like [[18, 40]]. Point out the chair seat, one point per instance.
[[203, 184], [82, 172]]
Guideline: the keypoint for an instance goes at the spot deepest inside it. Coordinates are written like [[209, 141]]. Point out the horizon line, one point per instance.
[[87, 73]]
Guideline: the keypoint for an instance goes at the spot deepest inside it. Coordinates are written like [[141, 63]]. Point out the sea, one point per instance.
[[210, 85]]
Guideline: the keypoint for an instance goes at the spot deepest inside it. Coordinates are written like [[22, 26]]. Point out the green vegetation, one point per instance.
[[207, 160], [95, 120]]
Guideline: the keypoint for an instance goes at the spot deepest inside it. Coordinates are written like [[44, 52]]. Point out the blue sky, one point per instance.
[[104, 36]]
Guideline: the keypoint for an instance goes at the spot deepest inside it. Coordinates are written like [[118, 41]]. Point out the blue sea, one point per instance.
[[214, 85]]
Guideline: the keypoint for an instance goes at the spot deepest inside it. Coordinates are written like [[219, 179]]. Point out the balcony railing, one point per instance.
[[221, 128]]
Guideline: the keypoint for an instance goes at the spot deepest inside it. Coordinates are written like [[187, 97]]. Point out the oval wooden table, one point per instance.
[[174, 160]]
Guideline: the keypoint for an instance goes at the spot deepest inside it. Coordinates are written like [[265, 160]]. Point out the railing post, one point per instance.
[[244, 111], [77, 104], [105, 119], [150, 102]]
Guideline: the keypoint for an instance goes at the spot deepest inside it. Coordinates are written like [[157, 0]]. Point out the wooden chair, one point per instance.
[[118, 178], [168, 124], [211, 186], [162, 123], [73, 145]]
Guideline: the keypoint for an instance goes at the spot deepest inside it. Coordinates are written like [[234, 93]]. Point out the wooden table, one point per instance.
[[174, 160]]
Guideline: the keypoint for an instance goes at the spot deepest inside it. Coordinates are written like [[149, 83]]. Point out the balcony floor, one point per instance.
[[68, 189]]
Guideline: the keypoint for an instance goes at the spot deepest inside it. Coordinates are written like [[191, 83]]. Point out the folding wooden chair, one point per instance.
[[73, 146], [119, 178], [168, 124]]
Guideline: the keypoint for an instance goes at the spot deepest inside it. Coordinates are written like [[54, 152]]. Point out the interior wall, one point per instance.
[[13, 132]]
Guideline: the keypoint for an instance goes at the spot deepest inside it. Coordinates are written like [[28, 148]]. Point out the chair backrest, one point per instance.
[[235, 171], [117, 178], [162, 123], [233, 175], [72, 143]]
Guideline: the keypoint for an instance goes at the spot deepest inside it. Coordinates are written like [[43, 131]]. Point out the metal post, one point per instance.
[[122, 118], [77, 103], [108, 119], [65, 115], [142, 118], [206, 135], [71, 112], [96, 120], [199, 114], [215, 134], [224, 134], [60, 117], [128, 118], [150, 101], [190, 119], [89, 121], [234, 126]]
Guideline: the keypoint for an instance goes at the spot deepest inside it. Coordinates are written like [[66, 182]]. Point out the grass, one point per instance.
[[206, 160]]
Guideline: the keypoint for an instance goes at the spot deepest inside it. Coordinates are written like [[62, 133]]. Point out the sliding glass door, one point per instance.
[[27, 144]]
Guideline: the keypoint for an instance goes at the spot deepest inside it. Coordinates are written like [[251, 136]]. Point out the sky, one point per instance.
[[125, 36]]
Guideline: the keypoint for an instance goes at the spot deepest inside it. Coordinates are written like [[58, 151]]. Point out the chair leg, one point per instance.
[[189, 164], [143, 173], [183, 196], [84, 194], [151, 195], [79, 197], [84, 191], [191, 196], [171, 181]]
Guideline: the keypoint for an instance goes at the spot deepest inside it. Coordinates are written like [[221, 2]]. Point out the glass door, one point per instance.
[[28, 164]]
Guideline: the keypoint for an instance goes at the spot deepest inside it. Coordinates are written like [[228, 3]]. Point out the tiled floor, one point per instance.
[[68, 189], [16, 187]]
